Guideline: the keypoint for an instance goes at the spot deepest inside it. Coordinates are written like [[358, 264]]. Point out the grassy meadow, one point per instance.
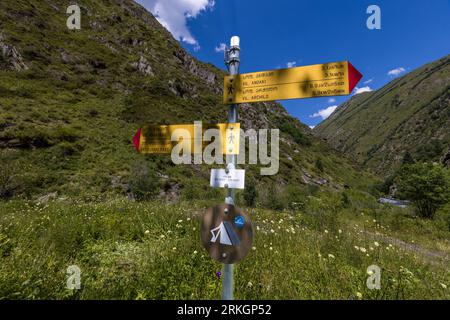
[[152, 250], [66, 126]]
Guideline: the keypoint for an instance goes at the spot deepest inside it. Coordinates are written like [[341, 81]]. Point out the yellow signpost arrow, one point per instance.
[[320, 80], [157, 139]]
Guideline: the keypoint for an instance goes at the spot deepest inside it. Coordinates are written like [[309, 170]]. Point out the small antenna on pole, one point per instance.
[[235, 41], [231, 54]]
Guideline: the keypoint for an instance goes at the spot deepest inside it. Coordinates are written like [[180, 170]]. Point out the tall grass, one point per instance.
[[151, 250]]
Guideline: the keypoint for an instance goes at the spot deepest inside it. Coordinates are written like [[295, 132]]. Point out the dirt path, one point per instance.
[[431, 255]]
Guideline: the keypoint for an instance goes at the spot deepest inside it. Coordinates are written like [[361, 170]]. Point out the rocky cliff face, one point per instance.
[[446, 158], [10, 58], [72, 99]]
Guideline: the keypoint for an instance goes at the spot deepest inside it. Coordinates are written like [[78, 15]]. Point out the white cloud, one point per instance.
[[331, 100], [363, 89], [368, 81], [312, 127], [173, 15], [221, 47], [324, 113], [396, 72], [291, 64]]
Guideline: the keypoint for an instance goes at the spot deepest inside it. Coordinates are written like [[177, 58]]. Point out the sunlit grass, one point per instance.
[[129, 250]]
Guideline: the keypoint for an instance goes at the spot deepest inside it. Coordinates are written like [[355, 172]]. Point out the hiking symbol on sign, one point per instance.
[[226, 234]]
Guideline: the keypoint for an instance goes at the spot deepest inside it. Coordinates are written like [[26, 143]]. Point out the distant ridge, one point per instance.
[[410, 114]]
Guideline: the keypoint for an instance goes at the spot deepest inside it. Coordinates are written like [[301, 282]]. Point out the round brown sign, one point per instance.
[[226, 233]]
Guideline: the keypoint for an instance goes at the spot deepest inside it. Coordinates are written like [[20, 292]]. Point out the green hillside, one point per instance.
[[410, 114], [71, 101], [73, 190]]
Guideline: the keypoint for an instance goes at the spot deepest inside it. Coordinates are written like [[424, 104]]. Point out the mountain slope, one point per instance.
[[71, 101], [410, 114]]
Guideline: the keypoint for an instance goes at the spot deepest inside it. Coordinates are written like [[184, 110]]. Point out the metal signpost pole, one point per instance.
[[232, 61]]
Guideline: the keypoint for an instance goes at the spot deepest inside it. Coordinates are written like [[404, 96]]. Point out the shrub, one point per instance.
[[144, 184], [5, 245], [426, 185], [296, 197], [384, 186], [191, 192], [25, 92], [212, 193], [41, 137], [430, 151], [32, 53], [443, 216], [295, 133], [66, 149], [345, 200], [250, 194], [407, 158], [65, 133], [272, 197], [313, 189], [319, 165], [7, 184]]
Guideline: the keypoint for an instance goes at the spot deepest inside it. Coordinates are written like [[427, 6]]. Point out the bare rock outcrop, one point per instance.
[[11, 56], [446, 158], [143, 66], [196, 69]]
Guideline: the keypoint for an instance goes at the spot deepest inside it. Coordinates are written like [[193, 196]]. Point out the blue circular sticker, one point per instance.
[[239, 221]]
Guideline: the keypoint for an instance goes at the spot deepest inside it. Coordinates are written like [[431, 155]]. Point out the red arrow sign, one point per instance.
[[137, 139], [157, 139], [353, 77]]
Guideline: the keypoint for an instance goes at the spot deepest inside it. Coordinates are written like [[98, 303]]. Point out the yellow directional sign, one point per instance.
[[162, 138], [320, 80]]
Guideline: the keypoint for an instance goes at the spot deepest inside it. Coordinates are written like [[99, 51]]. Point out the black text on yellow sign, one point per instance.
[[160, 139], [320, 80]]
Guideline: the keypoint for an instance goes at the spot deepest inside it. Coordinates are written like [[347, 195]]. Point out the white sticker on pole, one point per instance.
[[233, 179]]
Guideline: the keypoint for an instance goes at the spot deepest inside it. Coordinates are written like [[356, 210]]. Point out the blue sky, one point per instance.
[[303, 32]]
